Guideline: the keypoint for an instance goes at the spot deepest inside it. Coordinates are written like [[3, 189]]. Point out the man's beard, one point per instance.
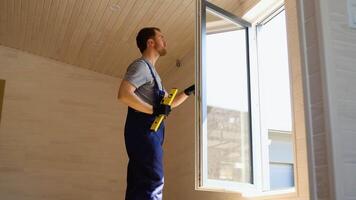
[[162, 52]]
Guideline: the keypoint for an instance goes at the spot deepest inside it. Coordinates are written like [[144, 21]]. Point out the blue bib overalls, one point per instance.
[[144, 148]]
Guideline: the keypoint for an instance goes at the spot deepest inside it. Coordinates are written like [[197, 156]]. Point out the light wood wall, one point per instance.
[[315, 102], [337, 44], [2, 90], [61, 135]]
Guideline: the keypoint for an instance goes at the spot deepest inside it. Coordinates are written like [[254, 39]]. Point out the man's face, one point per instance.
[[160, 43]]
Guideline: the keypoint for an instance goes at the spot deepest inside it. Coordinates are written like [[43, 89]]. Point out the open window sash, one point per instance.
[[226, 125]]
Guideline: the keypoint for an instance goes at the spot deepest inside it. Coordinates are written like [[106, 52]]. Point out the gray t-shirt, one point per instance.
[[139, 75]]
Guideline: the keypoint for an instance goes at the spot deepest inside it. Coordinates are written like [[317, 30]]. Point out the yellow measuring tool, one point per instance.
[[167, 101]]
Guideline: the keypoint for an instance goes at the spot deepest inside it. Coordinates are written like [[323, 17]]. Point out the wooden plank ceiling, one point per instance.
[[100, 35]]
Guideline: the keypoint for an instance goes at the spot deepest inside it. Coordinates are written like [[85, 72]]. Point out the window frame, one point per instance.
[[260, 158], [202, 181]]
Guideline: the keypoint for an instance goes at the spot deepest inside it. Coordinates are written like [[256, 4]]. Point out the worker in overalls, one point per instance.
[[142, 90]]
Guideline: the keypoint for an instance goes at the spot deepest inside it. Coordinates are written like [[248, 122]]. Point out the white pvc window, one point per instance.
[[225, 106], [243, 103]]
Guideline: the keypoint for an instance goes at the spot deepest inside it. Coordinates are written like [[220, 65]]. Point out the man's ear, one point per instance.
[[150, 42]]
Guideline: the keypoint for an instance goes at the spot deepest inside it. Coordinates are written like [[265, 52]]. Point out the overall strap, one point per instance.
[[154, 77]]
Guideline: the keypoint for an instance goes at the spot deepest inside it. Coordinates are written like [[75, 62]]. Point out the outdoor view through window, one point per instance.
[[228, 134], [228, 138]]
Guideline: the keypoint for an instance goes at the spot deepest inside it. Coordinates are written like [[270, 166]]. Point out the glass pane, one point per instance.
[[217, 24], [281, 160], [274, 73], [276, 107], [227, 103], [281, 176], [227, 4]]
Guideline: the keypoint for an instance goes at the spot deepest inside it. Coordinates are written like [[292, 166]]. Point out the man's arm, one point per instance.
[[127, 95], [182, 96], [179, 99]]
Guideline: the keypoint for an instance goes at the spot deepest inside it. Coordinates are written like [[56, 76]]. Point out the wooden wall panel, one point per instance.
[[2, 91], [336, 42], [316, 103], [61, 132]]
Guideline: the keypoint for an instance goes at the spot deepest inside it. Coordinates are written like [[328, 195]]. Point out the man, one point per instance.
[[142, 90]]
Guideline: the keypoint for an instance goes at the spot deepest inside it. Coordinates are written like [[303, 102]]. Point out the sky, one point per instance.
[[227, 73]]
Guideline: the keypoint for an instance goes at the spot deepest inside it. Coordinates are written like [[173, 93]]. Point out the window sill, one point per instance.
[[250, 193], [291, 192]]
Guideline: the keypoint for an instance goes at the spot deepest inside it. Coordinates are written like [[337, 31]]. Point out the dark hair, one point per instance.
[[143, 35]]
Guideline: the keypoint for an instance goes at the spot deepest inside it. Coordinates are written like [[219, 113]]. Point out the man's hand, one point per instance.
[[161, 109]]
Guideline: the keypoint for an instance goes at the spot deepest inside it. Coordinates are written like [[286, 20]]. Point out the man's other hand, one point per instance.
[[161, 109]]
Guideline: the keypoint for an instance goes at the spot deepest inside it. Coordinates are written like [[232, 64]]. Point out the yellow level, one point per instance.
[[167, 101]]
